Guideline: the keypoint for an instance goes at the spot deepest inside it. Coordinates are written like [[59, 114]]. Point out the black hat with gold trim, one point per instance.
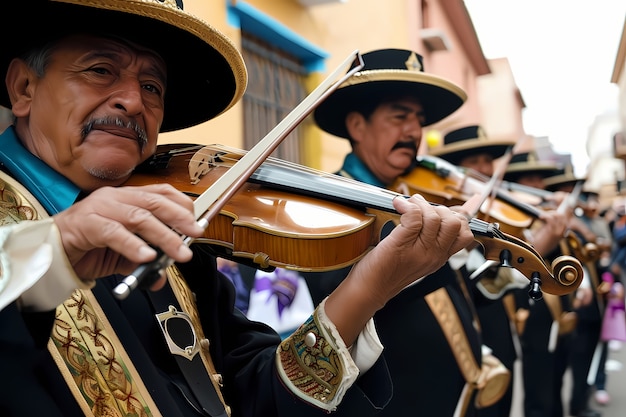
[[387, 74], [563, 177], [528, 163], [206, 74], [466, 141]]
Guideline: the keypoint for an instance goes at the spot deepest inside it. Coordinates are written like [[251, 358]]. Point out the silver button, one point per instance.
[[310, 339]]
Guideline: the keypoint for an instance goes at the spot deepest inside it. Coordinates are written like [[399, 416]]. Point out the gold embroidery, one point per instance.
[[311, 363], [13, 206], [98, 370]]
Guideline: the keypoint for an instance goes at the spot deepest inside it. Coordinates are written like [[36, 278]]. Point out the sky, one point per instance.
[[562, 54]]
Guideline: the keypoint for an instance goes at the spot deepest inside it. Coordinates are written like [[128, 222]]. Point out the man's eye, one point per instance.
[[100, 70], [153, 88]]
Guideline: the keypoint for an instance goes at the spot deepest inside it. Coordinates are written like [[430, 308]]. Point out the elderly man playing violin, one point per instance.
[[89, 99], [431, 336]]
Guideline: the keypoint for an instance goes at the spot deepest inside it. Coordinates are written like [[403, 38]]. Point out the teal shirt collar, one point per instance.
[[354, 167], [51, 189]]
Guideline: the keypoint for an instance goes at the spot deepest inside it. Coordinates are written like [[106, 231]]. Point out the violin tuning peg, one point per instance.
[[535, 287], [505, 258]]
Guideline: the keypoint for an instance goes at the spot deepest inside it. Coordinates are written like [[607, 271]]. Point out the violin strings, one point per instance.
[[299, 177]]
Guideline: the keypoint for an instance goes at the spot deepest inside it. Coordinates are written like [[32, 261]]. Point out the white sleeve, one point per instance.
[[33, 266], [367, 348]]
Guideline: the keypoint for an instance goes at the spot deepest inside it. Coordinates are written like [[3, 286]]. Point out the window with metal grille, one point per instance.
[[275, 87]]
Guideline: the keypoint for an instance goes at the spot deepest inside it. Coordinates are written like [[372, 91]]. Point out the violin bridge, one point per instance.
[[200, 164]]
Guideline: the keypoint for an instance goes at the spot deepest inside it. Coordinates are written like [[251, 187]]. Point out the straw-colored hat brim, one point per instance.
[[440, 97], [206, 72], [454, 152], [526, 168], [551, 183]]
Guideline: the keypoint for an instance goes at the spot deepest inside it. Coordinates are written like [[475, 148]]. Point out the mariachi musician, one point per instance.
[[544, 326], [381, 111], [470, 148], [587, 301]]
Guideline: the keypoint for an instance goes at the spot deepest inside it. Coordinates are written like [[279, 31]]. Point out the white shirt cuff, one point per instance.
[[34, 266]]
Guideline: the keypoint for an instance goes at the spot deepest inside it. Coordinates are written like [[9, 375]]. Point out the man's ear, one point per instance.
[[355, 125], [19, 81]]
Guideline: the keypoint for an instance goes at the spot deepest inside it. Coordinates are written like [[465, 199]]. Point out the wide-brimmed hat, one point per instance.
[[388, 73], [528, 163], [466, 141], [586, 195], [562, 177], [206, 74]]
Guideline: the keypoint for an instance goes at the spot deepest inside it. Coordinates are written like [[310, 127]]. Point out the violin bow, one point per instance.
[[489, 193], [211, 201], [569, 202], [491, 188]]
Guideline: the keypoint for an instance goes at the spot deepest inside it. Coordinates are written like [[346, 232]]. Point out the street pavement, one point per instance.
[[615, 385]]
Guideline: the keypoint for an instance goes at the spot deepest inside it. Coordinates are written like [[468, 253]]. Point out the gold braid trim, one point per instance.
[[187, 303], [492, 379], [442, 307]]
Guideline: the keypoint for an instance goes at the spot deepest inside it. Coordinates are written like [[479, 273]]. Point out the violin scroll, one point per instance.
[[566, 270], [562, 277]]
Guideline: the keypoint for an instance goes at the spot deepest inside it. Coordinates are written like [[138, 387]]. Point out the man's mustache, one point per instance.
[[407, 145], [142, 136]]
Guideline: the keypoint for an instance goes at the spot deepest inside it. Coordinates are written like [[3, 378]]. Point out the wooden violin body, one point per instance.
[[443, 183], [297, 218], [267, 226]]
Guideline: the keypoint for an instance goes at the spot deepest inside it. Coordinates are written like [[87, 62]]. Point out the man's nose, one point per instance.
[[127, 97], [413, 126]]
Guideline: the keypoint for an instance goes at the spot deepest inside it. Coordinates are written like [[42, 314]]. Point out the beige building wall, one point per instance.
[[501, 102], [456, 63], [227, 129]]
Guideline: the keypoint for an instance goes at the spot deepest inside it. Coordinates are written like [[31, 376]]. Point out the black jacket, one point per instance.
[[243, 352]]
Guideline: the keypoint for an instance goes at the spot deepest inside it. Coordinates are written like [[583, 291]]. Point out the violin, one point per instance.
[[290, 216], [444, 183]]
